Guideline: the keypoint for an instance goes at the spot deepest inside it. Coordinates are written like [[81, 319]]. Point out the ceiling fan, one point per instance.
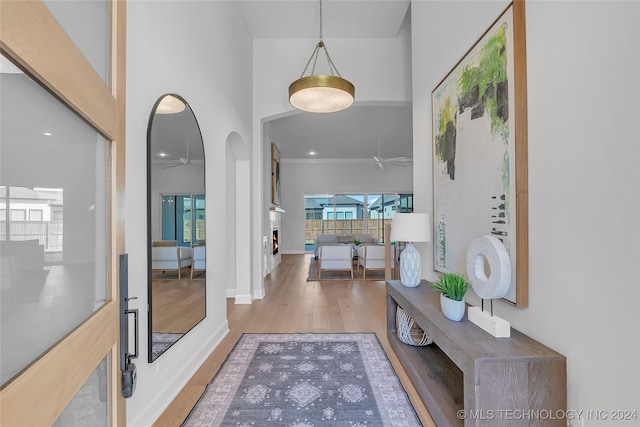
[[395, 161], [182, 161]]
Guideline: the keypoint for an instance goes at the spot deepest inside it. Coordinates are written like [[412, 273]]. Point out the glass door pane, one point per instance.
[[90, 406], [349, 213], [184, 219], [199, 219], [319, 218], [405, 203], [179, 213], [381, 208], [53, 234]]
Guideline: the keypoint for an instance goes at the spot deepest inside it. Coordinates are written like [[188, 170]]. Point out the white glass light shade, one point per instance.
[[321, 93], [170, 105]]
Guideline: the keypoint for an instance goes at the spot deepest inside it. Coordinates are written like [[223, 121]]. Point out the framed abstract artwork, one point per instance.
[[275, 175], [479, 118]]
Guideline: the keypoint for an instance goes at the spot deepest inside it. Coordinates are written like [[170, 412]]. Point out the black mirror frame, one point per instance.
[[150, 357]]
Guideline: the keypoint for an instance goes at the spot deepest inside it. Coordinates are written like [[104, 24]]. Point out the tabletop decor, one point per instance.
[[452, 288], [489, 272], [410, 227]]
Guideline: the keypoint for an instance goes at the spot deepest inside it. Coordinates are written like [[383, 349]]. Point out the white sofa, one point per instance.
[[341, 240], [165, 258]]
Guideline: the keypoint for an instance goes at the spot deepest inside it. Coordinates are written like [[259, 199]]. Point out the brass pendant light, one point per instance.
[[320, 93]]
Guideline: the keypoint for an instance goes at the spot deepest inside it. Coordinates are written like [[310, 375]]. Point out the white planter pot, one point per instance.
[[452, 310]]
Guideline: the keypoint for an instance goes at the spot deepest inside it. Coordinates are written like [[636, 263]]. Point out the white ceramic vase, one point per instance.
[[452, 309]]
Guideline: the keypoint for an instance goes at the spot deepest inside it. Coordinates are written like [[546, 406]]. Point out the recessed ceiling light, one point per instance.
[[48, 133], [312, 153], [163, 155]]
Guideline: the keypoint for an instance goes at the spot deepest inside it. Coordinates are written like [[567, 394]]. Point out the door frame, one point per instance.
[[32, 38]]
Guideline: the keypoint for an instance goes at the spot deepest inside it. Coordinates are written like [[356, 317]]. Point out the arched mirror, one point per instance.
[[176, 223]]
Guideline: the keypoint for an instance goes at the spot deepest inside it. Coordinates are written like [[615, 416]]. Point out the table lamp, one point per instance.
[[410, 227]]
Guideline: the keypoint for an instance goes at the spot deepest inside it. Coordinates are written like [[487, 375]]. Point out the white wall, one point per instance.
[[303, 177], [583, 107], [183, 48]]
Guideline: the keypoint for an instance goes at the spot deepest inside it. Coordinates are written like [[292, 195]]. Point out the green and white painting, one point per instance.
[[474, 151]]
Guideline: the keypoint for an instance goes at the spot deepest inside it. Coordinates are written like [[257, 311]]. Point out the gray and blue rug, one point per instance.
[[305, 380]]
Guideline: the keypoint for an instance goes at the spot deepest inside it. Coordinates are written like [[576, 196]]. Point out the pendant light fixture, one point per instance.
[[319, 93]]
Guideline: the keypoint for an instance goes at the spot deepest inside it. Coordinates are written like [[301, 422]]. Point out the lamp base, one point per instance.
[[496, 326], [410, 266]]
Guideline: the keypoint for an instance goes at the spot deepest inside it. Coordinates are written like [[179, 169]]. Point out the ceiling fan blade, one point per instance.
[[174, 165], [377, 159], [380, 166], [398, 159]]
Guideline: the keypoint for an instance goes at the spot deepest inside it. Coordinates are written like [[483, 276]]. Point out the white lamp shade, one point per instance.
[[411, 227]]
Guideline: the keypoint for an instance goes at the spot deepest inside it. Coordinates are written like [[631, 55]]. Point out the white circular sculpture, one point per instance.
[[489, 249]]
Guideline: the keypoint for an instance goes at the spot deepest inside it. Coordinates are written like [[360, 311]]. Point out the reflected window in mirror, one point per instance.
[[176, 223]]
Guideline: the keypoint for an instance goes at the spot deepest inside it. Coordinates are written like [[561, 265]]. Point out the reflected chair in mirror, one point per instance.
[[165, 258], [199, 259], [334, 258], [371, 257]]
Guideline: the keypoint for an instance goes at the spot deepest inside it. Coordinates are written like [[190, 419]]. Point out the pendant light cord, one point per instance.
[[316, 51]]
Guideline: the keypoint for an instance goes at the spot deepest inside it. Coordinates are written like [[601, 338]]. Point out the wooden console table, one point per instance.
[[468, 377]]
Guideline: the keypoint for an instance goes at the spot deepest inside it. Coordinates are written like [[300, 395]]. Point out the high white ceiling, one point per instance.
[[352, 133], [368, 19]]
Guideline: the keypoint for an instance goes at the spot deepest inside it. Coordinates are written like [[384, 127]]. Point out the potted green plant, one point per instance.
[[452, 288], [356, 242]]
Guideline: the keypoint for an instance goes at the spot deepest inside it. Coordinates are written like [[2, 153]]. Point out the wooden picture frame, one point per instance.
[[480, 172], [275, 175]]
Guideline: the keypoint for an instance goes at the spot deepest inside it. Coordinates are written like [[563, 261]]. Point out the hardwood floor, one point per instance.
[[292, 304], [177, 304]]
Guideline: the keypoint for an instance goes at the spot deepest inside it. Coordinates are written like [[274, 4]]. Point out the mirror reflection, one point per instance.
[[176, 223]]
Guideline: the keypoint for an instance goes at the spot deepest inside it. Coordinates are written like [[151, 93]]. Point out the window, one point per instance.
[[178, 215], [18, 214], [351, 214], [35, 215]]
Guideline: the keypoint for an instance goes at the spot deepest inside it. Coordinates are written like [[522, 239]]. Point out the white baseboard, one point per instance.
[[294, 252], [243, 299], [176, 382]]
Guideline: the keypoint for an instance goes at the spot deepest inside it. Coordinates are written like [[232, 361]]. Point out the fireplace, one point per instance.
[[275, 242]]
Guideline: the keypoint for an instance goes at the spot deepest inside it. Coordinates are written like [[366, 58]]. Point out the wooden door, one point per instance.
[[32, 38]]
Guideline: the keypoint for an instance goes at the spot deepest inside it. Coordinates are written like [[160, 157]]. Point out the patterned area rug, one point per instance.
[[162, 341], [342, 275], [305, 380]]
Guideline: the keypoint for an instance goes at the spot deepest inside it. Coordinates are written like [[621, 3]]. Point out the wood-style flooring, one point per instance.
[[291, 304]]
